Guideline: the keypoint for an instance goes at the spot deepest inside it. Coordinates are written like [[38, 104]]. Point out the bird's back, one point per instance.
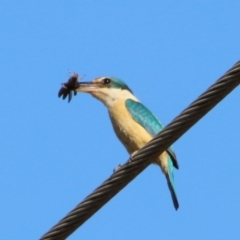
[[131, 134]]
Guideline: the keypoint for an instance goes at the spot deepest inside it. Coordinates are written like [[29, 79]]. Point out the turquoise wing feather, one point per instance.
[[147, 120]]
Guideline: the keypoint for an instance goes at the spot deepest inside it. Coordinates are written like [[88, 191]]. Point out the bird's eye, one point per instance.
[[106, 81]]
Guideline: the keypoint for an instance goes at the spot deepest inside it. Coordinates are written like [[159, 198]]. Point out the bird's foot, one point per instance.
[[131, 156], [117, 168], [129, 161]]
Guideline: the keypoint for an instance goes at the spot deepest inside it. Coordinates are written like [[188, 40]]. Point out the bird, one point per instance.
[[134, 124]]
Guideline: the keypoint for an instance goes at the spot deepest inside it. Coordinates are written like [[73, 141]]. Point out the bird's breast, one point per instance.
[[131, 134]]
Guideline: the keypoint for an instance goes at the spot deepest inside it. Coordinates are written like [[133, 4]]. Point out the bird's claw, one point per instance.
[[131, 157], [117, 168], [130, 160]]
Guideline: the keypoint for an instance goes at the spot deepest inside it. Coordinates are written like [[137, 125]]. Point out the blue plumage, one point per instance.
[[148, 121], [133, 123], [170, 182], [118, 83]]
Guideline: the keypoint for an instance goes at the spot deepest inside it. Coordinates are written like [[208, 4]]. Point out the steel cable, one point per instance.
[[142, 158]]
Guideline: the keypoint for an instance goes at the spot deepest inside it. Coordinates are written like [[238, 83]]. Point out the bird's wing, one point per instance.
[[147, 120]]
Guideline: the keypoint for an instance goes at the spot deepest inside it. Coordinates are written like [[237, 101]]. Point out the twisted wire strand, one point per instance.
[[142, 158]]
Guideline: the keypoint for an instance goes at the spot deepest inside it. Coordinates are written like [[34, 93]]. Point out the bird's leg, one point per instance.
[[131, 156], [117, 168], [129, 161]]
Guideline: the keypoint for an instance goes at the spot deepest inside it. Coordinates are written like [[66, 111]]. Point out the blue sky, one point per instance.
[[53, 154]]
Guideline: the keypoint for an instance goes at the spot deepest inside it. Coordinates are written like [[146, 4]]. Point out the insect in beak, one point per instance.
[[69, 87]]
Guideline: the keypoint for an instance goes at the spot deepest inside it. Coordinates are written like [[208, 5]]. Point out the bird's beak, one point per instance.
[[87, 87]]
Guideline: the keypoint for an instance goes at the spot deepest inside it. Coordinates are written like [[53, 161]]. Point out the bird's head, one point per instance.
[[106, 89]]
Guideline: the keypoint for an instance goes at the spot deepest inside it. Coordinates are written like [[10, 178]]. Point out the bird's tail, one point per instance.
[[170, 182]]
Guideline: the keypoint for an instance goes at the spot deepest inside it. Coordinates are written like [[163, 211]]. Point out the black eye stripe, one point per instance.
[[106, 80]]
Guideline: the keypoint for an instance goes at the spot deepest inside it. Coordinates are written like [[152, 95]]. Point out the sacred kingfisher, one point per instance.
[[132, 122]]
